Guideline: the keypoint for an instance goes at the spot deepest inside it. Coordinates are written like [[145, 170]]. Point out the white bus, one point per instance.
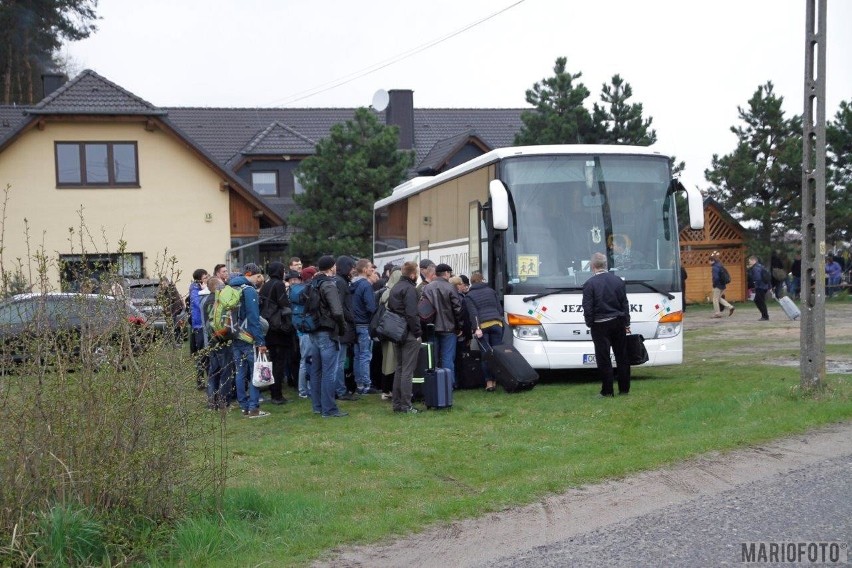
[[530, 218]]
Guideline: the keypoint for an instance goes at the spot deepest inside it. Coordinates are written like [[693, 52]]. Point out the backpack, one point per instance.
[[305, 300], [426, 310], [225, 313], [279, 319], [725, 276]]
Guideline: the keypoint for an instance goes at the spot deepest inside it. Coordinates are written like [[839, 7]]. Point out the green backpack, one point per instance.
[[226, 307]]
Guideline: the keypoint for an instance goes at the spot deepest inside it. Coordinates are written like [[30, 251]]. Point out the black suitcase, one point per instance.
[[510, 369], [469, 370], [438, 388], [425, 361]]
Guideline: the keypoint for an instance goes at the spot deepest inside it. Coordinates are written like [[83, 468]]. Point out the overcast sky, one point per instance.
[[690, 63]]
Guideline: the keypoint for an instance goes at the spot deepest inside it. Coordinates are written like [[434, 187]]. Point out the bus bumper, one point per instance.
[[572, 354]]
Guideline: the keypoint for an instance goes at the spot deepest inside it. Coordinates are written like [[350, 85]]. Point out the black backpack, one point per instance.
[[725, 276], [279, 319]]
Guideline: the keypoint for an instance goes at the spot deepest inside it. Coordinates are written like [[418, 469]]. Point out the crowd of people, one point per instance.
[[313, 325]]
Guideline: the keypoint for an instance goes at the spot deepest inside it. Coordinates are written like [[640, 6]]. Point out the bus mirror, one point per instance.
[[696, 207], [499, 205]]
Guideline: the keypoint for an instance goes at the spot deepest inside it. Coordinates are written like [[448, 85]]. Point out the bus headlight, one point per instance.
[[669, 325], [525, 327]]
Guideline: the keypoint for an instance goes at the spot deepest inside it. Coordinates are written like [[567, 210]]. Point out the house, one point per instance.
[[93, 165], [721, 233]]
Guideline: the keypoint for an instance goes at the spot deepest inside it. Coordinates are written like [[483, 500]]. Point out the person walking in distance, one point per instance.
[[721, 278], [761, 281], [403, 301], [607, 314]]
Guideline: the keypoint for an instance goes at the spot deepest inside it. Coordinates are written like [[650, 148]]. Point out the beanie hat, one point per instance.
[[308, 273], [251, 267], [325, 263], [442, 268]]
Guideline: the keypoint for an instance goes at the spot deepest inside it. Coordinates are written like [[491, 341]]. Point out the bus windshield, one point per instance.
[[568, 207]]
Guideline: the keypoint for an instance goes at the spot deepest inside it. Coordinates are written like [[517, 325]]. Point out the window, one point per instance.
[[297, 186], [265, 183], [94, 164]]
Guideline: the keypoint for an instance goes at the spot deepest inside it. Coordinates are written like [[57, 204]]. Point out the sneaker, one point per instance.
[[370, 390], [348, 396], [256, 413], [279, 401], [304, 396], [336, 415], [731, 311], [409, 410], [387, 396]]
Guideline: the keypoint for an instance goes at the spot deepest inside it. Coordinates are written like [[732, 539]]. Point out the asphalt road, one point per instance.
[[812, 504]]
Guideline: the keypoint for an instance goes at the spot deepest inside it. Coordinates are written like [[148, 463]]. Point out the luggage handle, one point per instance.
[[482, 346]]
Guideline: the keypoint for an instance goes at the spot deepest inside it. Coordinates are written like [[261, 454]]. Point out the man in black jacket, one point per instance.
[[607, 314], [273, 297], [331, 325], [403, 301]]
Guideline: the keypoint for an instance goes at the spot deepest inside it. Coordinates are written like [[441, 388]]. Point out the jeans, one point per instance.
[[220, 377], [362, 357], [340, 371], [445, 343], [306, 368], [324, 366], [795, 286], [243, 367]]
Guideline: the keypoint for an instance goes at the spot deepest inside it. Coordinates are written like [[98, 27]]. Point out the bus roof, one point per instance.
[[418, 184]]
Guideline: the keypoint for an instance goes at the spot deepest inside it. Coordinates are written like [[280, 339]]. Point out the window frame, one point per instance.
[[277, 191], [81, 162]]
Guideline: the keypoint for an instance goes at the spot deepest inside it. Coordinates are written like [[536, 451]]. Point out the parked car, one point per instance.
[[143, 293], [38, 326]]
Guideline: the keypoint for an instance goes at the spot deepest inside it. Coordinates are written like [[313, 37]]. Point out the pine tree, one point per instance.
[[559, 116], [761, 179], [838, 190], [31, 32], [354, 167], [620, 122]]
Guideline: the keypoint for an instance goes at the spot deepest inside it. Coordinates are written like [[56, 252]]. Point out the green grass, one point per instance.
[[303, 485]]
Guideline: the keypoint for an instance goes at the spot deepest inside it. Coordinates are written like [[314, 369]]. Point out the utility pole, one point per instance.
[[812, 329]]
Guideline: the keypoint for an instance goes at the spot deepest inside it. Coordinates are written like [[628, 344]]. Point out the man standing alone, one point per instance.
[[607, 314]]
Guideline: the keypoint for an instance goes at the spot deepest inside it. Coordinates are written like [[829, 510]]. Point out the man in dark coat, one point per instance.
[[273, 295], [403, 301], [607, 314]]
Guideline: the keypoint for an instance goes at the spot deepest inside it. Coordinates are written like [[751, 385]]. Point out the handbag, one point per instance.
[[262, 374], [636, 352], [392, 327]]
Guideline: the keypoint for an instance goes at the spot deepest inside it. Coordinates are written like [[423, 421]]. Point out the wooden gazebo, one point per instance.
[[721, 233]]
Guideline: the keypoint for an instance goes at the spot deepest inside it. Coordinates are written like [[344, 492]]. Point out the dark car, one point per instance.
[[83, 326]]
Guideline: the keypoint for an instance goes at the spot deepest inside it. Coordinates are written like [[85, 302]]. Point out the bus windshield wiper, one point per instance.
[[668, 295], [552, 291]]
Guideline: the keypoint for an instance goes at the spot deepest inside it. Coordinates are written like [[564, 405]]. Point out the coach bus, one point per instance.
[[530, 218]]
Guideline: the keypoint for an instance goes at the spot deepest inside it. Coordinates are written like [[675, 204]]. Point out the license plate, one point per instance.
[[590, 359]]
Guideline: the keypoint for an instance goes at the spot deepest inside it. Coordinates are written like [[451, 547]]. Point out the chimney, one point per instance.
[[400, 112], [52, 81]]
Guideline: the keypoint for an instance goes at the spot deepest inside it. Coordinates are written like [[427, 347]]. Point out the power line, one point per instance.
[[333, 84]]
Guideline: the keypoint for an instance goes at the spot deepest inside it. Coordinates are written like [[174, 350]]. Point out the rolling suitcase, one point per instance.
[[469, 370], [425, 361], [790, 308], [438, 388], [510, 369]]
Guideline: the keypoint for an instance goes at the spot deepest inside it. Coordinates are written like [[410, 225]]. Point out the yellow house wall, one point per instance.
[[165, 216]]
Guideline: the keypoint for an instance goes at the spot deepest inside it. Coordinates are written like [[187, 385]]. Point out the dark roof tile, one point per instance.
[[89, 93]]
